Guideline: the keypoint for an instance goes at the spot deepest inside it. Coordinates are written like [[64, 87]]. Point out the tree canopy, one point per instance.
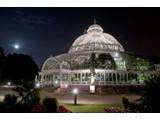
[[2, 61], [19, 68]]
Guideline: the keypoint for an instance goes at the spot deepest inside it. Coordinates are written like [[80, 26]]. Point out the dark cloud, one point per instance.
[[31, 20]]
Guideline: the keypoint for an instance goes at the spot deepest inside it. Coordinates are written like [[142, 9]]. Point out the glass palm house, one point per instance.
[[95, 58]]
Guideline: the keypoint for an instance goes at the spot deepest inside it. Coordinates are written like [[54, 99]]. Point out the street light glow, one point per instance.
[[66, 85], [56, 81], [116, 54], [8, 83], [37, 85], [75, 91]]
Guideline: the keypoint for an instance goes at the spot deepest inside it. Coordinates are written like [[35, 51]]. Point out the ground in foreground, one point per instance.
[[90, 108]]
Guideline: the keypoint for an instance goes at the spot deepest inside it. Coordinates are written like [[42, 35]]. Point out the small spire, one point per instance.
[[94, 22]]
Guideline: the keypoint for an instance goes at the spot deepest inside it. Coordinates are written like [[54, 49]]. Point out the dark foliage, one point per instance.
[[26, 100], [9, 104], [2, 61], [106, 61], [20, 68], [149, 102], [51, 104], [28, 96], [131, 106], [125, 102], [93, 63], [103, 60], [151, 98]]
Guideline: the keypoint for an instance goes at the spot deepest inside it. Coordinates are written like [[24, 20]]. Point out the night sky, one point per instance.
[[42, 32]]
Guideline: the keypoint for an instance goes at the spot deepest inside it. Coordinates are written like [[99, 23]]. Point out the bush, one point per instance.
[[125, 102], [10, 103], [34, 97], [131, 106], [51, 104], [10, 99], [151, 97], [2, 107]]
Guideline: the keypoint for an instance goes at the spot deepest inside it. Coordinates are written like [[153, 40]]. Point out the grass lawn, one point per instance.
[[90, 108]]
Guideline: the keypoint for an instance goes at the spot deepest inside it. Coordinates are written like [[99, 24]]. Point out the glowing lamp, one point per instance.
[[56, 82], [37, 85], [116, 54], [75, 91], [66, 85], [9, 83]]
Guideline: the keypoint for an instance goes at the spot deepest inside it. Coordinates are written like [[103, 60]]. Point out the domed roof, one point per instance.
[[95, 40], [95, 27], [51, 63], [55, 63]]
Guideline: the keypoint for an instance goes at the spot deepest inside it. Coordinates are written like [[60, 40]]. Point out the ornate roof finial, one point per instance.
[[94, 21]]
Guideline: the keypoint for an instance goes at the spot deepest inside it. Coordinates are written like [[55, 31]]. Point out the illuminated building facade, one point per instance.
[[77, 67]]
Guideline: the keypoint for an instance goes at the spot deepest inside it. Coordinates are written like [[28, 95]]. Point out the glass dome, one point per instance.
[[55, 63], [95, 40], [50, 64]]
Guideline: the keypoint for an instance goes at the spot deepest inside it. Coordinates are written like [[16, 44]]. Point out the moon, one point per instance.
[[16, 46]]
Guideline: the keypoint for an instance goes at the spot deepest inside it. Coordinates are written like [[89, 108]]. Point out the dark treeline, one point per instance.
[[17, 68]]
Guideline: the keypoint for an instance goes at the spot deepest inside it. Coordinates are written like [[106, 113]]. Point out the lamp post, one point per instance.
[[75, 92]]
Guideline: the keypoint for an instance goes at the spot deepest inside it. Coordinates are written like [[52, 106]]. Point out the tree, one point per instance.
[[28, 98], [10, 102], [149, 101], [93, 63], [106, 61], [21, 69], [151, 97], [131, 106], [51, 104], [2, 62], [142, 64]]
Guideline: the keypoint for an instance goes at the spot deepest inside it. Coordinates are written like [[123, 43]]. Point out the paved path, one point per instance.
[[82, 98], [90, 98]]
